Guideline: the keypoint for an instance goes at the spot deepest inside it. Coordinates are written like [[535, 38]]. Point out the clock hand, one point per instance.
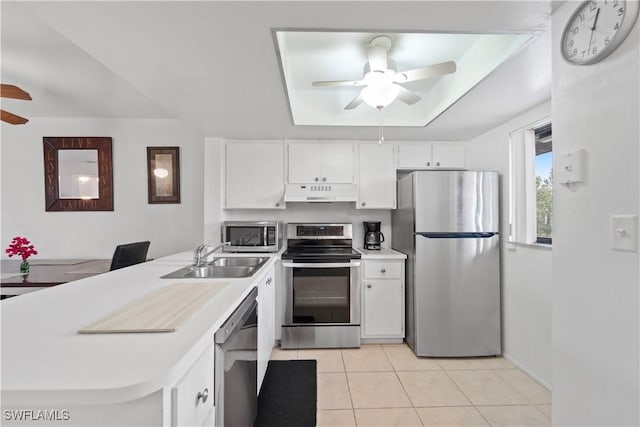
[[593, 27]]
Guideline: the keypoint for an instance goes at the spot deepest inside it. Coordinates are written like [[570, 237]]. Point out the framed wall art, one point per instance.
[[163, 174], [78, 174]]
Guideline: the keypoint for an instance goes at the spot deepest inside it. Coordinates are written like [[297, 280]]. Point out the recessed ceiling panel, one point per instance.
[[311, 56]]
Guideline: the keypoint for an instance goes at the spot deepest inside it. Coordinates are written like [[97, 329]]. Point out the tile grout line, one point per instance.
[[466, 397], [346, 377], [395, 372]]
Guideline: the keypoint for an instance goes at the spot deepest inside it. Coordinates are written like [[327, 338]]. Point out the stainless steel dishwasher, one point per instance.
[[236, 360]]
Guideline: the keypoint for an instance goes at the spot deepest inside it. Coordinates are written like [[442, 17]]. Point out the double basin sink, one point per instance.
[[220, 268]]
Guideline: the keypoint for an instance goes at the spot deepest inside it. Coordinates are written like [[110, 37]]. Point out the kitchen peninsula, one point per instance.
[[111, 379]]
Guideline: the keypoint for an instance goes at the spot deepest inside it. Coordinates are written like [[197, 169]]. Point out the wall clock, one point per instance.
[[596, 29]]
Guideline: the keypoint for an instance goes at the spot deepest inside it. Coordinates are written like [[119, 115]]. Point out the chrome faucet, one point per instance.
[[199, 258]]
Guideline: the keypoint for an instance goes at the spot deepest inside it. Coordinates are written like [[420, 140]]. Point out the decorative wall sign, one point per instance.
[[163, 174], [78, 174]]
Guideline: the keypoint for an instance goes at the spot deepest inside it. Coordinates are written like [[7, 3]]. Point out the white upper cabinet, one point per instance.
[[449, 156], [432, 156], [322, 162], [254, 175], [377, 176], [414, 156]]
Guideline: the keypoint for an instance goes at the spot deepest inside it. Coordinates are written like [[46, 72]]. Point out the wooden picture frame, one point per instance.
[[163, 174], [55, 173]]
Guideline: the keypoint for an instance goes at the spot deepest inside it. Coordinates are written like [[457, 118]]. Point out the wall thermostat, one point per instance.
[[571, 167]]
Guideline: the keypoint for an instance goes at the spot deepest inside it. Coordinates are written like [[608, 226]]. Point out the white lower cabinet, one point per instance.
[[383, 300], [192, 396], [266, 322]]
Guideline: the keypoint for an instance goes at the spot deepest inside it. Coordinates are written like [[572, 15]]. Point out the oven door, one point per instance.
[[322, 293], [322, 308]]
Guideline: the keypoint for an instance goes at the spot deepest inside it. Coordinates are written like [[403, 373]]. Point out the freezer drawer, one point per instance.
[[456, 297]]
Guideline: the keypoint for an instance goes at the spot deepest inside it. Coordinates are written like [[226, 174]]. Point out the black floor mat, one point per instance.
[[288, 395]]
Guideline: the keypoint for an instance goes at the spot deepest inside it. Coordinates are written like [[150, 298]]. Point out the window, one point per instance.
[[544, 183], [531, 184]]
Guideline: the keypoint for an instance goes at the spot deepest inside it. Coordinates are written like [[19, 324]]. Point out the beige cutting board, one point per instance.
[[160, 311]]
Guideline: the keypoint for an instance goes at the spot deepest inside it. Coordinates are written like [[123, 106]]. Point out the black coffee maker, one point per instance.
[[372, 235]]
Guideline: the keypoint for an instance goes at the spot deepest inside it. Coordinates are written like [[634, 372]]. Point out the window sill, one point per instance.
[[512, 246]]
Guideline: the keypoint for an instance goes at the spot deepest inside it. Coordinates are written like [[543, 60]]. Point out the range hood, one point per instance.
[[321, 193]]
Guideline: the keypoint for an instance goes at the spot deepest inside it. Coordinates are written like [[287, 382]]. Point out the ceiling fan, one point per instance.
[[14, 92], [382, 84]]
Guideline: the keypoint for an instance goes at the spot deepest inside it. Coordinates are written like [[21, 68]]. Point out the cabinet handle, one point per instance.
[[317, 179], [203, 395], [268, 281], [428, 163], [437, 163], [324, 179], [369, 285], [363, 204], [383, 270], [277, 204]]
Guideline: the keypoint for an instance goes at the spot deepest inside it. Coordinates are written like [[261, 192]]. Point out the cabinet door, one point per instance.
[[254, 174], [266, 323], [414, 155], [304, 162], [337, 163], [192, 397], [377, 177], [449, 156], [382, 308]]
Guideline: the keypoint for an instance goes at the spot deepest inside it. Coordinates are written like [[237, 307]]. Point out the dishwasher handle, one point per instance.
[[238, 317]]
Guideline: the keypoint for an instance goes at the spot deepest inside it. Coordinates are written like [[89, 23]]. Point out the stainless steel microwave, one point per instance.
[[252, 236]]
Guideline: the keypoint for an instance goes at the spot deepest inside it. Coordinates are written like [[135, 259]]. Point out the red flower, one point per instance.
[[21, 246]]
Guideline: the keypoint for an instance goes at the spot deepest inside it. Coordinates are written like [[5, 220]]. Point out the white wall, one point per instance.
[[596, 334], [526, 270], [294, 212], [170, 228]]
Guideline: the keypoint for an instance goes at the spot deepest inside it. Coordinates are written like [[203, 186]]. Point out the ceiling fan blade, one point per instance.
[[11, 118], [339, 83], [354, 103], [425, 72], [407, 96], [11, 91], [377, 58]]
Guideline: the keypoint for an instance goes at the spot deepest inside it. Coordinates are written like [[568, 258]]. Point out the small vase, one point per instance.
[[24, 266]]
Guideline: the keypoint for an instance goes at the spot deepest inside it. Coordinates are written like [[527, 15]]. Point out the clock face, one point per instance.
[[596, 29]]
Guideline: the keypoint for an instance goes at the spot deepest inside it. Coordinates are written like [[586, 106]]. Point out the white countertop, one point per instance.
[[383, 253], [44, 360]]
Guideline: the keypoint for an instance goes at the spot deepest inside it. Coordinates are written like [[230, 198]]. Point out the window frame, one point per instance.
[[522, 185]]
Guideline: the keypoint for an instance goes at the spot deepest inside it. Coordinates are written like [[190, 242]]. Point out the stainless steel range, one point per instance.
[[322, 285]]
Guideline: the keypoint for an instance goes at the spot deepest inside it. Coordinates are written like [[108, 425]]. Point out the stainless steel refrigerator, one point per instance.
[[447, 223]]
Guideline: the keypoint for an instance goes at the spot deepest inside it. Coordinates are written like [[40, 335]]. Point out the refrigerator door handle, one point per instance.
[[473, 235]]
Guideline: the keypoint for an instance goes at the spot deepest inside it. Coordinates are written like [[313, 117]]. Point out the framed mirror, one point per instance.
[[78, 174]]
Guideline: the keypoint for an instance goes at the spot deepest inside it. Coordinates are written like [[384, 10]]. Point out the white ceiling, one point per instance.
[[214, 65]]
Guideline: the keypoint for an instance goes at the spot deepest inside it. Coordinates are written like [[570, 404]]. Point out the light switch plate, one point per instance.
[[624, 233]]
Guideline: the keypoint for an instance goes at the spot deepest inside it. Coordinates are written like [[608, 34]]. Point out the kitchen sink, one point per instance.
[[220, 268], [233, 262]]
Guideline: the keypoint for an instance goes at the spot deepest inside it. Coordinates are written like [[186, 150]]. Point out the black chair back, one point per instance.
[[129, 254]]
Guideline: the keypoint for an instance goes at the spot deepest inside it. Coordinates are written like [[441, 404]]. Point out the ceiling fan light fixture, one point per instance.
[[380, 95]]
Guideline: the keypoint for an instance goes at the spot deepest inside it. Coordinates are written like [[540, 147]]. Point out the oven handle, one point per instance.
[[321, 264]]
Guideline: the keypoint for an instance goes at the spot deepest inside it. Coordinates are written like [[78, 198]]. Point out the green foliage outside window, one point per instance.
[[544, 205]]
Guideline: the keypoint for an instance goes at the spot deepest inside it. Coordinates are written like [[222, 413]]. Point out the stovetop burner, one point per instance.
[[320, 243]]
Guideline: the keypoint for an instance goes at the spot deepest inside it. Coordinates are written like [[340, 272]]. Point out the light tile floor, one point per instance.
[[387, 385]]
